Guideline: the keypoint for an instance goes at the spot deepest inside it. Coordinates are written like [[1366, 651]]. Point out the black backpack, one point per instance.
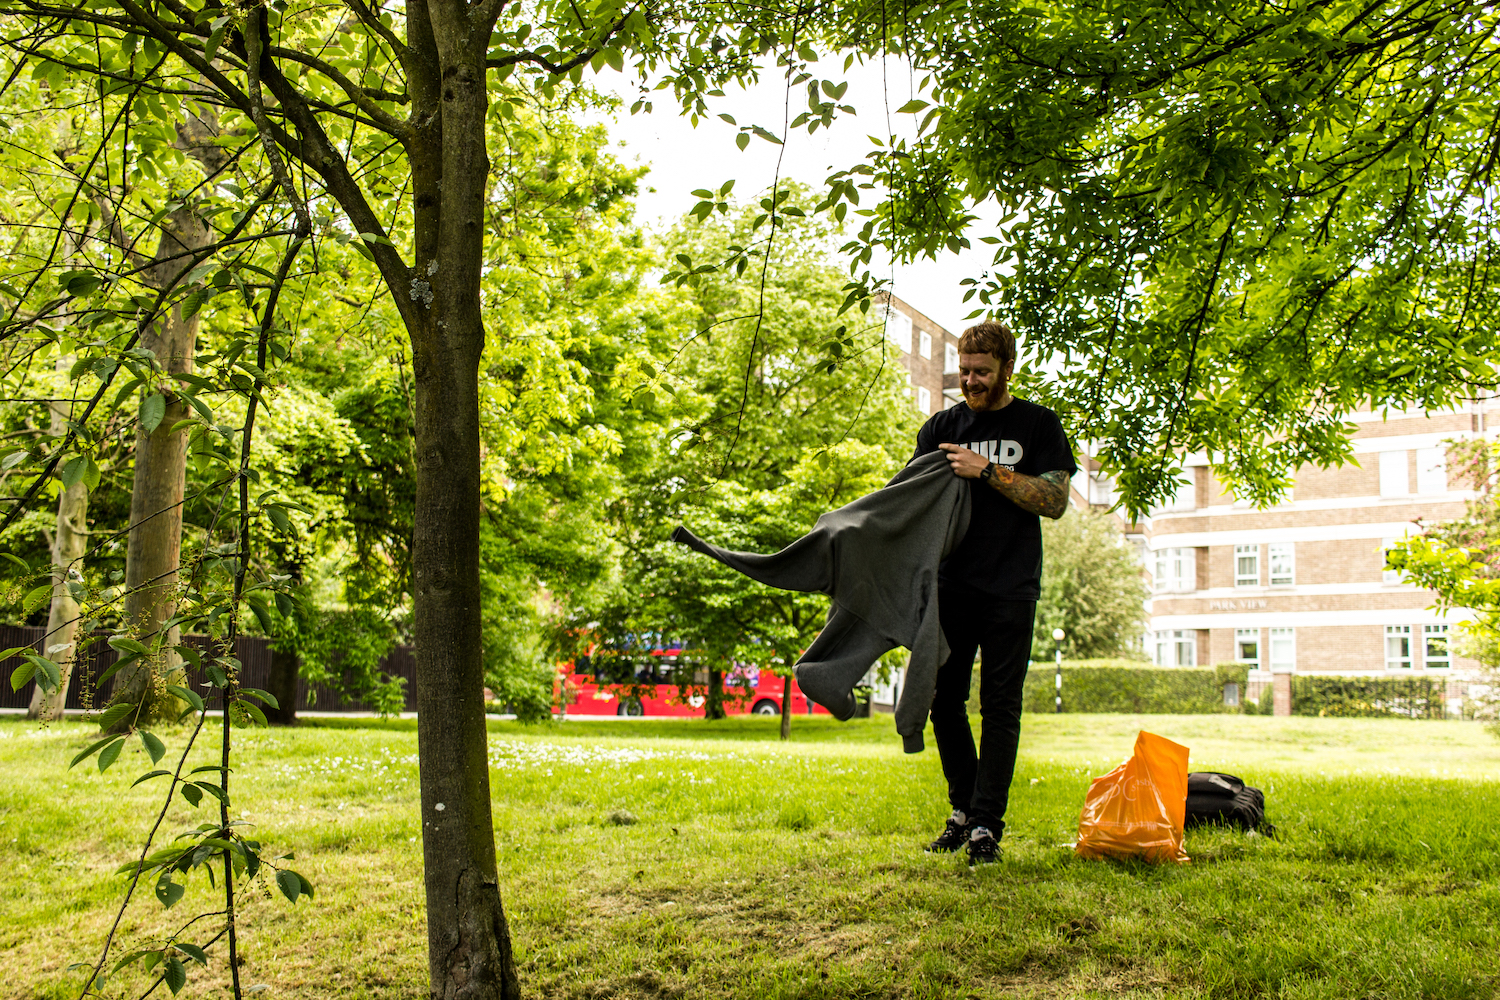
[[1223, 799]]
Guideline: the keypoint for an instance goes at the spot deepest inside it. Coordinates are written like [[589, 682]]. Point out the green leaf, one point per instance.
[[911, 107], [48, 674], [124, 644], [214, 790], [22, 674], [36, 598], [290, 884], [110, 754], [262, 615], [252, 710], [133, 956], [154, 746], [265, 696], [25, 566], [148, 776], [153, 408], [115, 713], [193, 794], [175, 973], [742, 140], [194, 952], [191, 697], [92, 749], [72, 471]]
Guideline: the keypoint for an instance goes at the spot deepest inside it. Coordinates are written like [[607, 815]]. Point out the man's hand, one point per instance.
[[1046, 494], [965, 463]]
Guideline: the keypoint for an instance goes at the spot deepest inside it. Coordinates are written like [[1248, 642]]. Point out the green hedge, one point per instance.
[[1368, 697], [1133, 687]]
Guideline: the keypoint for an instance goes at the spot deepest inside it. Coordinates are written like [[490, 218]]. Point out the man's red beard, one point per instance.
[[988, 397]]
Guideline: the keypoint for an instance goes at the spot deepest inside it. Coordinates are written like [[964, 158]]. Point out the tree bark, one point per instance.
[[786, 706], [468, 939], [69, 538], [282, 683], [713, 707], [154, 546]]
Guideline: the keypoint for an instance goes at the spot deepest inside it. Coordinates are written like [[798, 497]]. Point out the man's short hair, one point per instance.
[[990, 338]]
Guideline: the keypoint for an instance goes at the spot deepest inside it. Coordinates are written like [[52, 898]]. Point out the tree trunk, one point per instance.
[[786, 706], [713, 707], [468, 940], [69, 538], [282, 683], [154, 546]]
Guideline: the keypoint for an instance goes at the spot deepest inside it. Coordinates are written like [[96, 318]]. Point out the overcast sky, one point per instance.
[[683, 158]]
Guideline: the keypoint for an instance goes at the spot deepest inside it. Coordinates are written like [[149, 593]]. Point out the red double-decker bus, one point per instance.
[[587, 687]]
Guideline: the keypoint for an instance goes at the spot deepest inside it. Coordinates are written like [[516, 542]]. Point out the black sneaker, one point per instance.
[[982, 847], [955, 834]]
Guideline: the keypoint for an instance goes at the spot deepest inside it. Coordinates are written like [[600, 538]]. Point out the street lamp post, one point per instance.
[[1058, 635]]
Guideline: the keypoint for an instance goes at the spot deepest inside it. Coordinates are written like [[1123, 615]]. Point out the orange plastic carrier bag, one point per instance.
[[1136, 810]]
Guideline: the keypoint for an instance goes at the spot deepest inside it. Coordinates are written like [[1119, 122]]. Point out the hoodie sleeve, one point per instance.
[[927, 654]]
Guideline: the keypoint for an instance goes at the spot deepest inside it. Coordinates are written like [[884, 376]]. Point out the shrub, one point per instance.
[[1370, 697], [1128, 686]]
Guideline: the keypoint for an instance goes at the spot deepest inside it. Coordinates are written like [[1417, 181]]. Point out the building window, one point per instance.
[[1247, 565], [1283, 564], [950, 359], [1394, 481], [924, 398], [924, 344], [1398, 647], [1432, 470], [1283, 650], [1387, 574], [898, 329], [1435, 654], [1177, 648], [1186, 497], [1247, 647], [1176, 570]]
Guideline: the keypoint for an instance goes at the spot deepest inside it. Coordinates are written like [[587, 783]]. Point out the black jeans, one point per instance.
[[979, 784]]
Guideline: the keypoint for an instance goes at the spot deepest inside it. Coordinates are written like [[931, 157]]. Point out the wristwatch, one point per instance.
[[989, 470]]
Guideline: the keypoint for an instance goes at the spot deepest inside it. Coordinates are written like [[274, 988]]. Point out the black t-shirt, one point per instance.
[[1002, 553]]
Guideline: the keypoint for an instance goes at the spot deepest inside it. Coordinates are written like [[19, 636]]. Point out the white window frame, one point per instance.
[[924, 399], [1282, 560], [1388, 576], [1247, 637], [1185, 642], [1242, 576], [1175, 571], [1443, 662], [1283, 650], [898, 329], [924, 343], [950, 359], [1395, 477], [1432, 470], [1173, 646], [1398, 647]]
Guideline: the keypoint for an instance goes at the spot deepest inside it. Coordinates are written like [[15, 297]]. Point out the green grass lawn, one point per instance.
[[763, 869]]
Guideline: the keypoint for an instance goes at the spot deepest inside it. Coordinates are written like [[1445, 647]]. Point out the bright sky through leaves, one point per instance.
[[683, 158]]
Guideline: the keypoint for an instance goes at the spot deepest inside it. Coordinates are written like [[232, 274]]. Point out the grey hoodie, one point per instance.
[[878, 559]]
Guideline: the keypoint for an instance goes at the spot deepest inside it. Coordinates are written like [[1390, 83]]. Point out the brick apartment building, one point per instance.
[[1301, 587], [927, 351]]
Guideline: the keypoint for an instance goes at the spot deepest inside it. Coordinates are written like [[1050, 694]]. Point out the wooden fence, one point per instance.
[[253, 652]]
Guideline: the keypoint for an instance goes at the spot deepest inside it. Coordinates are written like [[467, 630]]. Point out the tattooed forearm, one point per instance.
[[1046, 494]]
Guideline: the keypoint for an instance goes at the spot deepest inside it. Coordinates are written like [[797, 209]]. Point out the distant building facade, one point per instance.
[[927, 351], [1301, 587]]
